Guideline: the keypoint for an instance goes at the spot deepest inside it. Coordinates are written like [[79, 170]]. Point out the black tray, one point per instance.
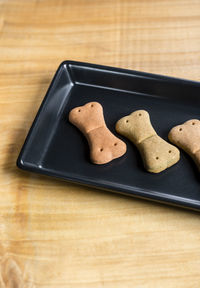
[[57, 148]]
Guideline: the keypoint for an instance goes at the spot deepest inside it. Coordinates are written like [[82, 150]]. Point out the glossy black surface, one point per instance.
[[55, 147]]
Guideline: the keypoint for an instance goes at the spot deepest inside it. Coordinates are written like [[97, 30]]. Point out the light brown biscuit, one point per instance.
[[187, 137], [104, 146], [157, 154]]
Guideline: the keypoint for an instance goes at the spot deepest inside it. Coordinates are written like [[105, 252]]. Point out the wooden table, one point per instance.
[[54, 234]]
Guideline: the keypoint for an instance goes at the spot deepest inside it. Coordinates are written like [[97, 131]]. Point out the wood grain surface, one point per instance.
[[54, 234]]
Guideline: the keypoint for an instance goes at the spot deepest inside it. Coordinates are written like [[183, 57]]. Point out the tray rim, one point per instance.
[[128, 71]]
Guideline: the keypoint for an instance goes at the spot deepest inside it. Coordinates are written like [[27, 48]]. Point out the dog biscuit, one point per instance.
[[156, 153], [104, 146], [187, 137]]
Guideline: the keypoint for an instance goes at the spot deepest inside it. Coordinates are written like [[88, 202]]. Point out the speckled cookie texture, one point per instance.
[[104, 146], [187, 137], [157, 154]]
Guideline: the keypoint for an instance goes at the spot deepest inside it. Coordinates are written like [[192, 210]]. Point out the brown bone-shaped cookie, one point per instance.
[[157, 154], [104, 146], [187, 137]]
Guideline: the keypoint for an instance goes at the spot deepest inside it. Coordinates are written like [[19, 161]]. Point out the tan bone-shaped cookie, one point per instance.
[[157, 154], [104, 146], [187, 137]]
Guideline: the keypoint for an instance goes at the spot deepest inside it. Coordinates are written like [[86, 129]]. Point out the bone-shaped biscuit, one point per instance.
[[187, 137], [157, 154], [104, 146]]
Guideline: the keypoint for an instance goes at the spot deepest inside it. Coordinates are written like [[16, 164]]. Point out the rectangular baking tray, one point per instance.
[[56, 148]]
